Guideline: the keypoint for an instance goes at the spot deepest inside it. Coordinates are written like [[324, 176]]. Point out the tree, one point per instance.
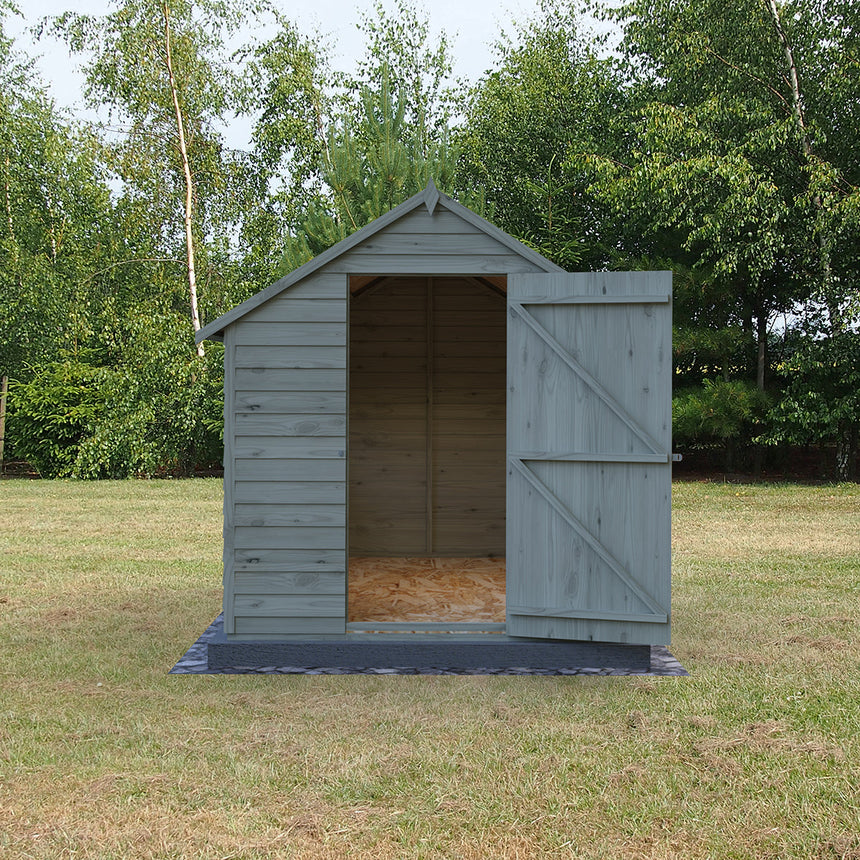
[[345, 154], [735, 166], [160, 67], [821, 403], [551, 99], [56, 222]]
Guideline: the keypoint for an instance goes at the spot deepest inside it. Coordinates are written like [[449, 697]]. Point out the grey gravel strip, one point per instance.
[[195, 662]]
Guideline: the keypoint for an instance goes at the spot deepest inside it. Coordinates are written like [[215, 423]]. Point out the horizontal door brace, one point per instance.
[[658, 299], [602, 615], [590, 457]]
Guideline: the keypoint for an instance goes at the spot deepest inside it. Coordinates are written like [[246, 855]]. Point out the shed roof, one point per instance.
[[430, 197]]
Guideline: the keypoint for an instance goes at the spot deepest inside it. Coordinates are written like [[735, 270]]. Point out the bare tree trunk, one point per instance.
[[4, 388], [846, 452], [836, 320], [8, 197], [761, 342], [189, 185]]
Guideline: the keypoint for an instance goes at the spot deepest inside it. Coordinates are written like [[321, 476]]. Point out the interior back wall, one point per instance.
[[427, 418]]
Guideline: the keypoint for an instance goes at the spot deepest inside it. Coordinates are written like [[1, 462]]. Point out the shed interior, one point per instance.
[[427, 448]]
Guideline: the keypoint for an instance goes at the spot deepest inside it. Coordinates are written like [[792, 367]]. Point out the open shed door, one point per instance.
[[589, 456]]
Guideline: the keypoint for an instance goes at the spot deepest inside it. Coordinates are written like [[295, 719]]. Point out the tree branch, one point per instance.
[[749, 74], [94, 275]]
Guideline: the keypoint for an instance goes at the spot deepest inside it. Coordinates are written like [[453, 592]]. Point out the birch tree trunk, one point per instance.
[[189, 185], [836, 322]]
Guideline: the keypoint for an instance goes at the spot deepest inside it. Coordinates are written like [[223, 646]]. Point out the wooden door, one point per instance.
[[589, 456]]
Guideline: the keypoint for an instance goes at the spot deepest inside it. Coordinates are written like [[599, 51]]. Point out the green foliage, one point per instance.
[[371, 163], [718, 411], [340, 150], [550, 100], [52, 413], [159, 412], [56, 222], [688, 152], [821, 403], [164, 407]]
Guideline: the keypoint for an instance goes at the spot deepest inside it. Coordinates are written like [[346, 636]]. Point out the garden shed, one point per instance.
[[432, 398]]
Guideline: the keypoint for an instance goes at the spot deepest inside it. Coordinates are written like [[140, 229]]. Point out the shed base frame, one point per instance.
[[420, 651]]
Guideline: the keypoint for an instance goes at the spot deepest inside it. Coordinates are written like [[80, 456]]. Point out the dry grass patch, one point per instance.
[[102, 755]]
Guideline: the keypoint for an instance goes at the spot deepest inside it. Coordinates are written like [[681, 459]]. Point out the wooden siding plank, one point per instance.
[[403, 300], [298, 582], [306, 379], [478, 364], [400, 478], [394, 380], [290, 492], [456, 333], [472, 419], [481, 403], [289, 425], [371, 319], [259, 627], [597, 614], [250, 333], [431, 264], [407, 412], [464, 379], [290, 470], [290, 402], [390, 349], [464, 350], [285, 308], [442, 221], [290, 447], [291, 356], [291, 560], [290, 605], [588, 457], [385, 364], [321, 285], [371, 333], [288, 537], [430, 244], [289, 515]]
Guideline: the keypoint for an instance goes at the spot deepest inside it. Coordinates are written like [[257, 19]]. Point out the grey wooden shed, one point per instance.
[[430, 386]]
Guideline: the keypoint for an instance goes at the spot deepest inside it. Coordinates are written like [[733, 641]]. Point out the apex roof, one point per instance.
[[430, 197]]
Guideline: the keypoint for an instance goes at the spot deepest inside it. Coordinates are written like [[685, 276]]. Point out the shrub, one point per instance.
[[52, 413], [726, 413], [821, 403]]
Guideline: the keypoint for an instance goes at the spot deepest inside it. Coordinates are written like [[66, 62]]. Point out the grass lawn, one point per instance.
[[103, 755]]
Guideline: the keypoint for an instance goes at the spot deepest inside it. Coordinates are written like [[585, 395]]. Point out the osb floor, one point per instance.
[[426, 589]]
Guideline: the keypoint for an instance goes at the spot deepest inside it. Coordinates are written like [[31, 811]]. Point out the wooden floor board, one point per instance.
[[426, 589]]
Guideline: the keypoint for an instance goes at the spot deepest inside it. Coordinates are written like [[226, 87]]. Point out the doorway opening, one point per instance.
[[427, 372]]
